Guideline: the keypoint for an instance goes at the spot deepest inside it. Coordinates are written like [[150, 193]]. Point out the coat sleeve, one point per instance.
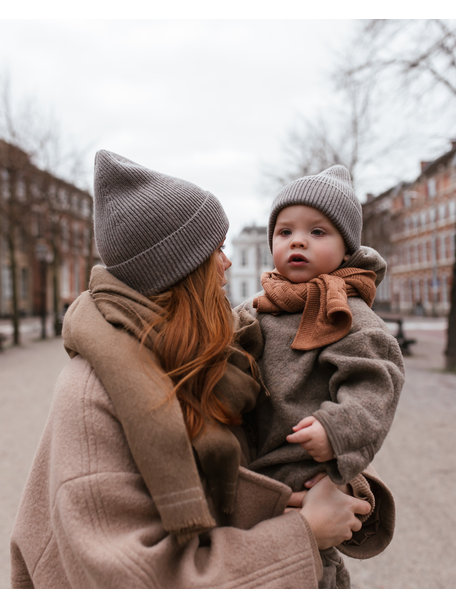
[[377, 530], [364, 391]]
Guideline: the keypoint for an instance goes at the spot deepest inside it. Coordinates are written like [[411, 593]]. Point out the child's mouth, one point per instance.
[[297, 260]]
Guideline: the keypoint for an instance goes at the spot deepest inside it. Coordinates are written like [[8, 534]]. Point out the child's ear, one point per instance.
[[346, 257]]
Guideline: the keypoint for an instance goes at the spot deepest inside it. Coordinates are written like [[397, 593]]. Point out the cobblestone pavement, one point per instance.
[[416, 460]]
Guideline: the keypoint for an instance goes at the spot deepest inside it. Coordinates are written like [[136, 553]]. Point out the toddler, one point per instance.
[[332, 371]]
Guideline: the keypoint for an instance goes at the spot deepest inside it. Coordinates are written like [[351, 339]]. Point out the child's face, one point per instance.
[[305, 244]]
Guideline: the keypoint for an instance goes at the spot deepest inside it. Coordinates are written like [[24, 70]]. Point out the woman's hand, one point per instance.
[[296, 499], [331, 513]]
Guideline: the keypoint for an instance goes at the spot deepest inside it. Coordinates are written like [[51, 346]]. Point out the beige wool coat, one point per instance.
[[87, 518]]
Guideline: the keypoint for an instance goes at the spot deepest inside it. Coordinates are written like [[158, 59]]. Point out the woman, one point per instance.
[[137, 480]]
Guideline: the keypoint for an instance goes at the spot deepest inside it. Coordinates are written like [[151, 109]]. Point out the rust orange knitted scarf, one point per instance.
[[326, 315]]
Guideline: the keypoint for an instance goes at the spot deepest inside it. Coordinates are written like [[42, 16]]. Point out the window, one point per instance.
[[76, 237], [77, 282], [432, 189], [452, 209], [65, 235], [442, 211], [64, 198], [407, 200], [244, 257], [6, 282], [85, 204], [424, 249], [21, 191], [65, 280], [437, 249], [244, 289], [5, 184], [24, 283], [446, 246]]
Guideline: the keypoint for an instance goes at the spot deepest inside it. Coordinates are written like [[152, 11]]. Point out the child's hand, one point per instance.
[[312, 436]]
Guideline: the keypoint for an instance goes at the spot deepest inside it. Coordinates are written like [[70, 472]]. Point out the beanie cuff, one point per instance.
[[331, 193], [180, 253]]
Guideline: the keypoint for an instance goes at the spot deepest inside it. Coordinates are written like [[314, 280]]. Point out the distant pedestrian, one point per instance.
[[137, 480], [333, 371]]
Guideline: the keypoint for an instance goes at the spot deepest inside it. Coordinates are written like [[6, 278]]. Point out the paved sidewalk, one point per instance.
[[27, 377], [417, 459]]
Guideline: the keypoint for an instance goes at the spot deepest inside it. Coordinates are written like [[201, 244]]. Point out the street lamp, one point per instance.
[[44, 257]]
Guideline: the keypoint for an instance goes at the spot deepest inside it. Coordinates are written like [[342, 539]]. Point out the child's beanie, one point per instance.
[[332, 193], [152, 230]]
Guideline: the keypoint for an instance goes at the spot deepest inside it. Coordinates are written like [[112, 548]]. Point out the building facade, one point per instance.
[[251, 257], [46, 237], [413, 226]]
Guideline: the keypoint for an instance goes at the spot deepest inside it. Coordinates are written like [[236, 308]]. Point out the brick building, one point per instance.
[[413, 226], [46, 240]]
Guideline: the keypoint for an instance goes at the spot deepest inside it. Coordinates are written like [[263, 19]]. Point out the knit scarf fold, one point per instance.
[[105, 325], [326, 315]]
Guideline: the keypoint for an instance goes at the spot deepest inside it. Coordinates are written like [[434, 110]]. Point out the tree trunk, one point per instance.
[[15, 318], [450, 351]]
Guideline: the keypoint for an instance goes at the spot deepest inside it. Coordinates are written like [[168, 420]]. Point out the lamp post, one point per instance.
[[44, 257]]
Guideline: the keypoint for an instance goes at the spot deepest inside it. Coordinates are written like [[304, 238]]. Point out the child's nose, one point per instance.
[[299, 241]]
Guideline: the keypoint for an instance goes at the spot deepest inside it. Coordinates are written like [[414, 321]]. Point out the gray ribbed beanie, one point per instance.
[[331, 192], [152, 230]]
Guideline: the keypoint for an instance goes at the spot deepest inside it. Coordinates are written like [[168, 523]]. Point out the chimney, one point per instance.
[[424, 165], [369, 197]]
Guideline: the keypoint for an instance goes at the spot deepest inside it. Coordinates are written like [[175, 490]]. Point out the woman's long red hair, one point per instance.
[[192, 343]]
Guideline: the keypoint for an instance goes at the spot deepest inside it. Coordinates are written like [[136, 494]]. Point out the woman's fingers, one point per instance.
[[296, 499], [313, 480], [362, 507], [331, 514]]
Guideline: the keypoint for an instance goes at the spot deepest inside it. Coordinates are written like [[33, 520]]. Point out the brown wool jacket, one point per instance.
[[351, 386]]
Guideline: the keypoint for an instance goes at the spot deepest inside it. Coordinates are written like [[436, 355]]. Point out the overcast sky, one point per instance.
[[209, 101]]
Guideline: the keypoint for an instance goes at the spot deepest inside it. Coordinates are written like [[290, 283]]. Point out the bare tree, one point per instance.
[[26, 129], [14, 214], [415, 55], [340, 135], [450, 351], [418, 59]]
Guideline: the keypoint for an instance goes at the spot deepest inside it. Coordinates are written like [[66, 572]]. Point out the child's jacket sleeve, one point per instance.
[[364, 392]]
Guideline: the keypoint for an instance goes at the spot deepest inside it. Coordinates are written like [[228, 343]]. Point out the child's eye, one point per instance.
[[318, 232], [285, 232]]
